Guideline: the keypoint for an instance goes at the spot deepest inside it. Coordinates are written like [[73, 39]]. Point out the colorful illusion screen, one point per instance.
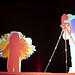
[[15, 47]]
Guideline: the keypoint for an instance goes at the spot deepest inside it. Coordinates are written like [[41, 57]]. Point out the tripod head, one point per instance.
[[65, 25]]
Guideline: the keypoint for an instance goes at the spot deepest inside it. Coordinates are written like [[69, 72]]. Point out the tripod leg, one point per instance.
[[66, 52], [54, 51]]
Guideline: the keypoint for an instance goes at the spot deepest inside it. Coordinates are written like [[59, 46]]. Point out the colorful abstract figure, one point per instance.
[[16, 47], [68, 23]]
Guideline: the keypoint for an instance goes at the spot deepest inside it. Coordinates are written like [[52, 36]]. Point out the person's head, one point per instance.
[[15, 37]]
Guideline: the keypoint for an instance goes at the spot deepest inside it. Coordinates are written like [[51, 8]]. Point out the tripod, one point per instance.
[[56, 48]]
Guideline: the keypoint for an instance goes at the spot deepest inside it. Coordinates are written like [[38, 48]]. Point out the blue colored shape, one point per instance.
[[1, 51], [0, 41], [72, 23]]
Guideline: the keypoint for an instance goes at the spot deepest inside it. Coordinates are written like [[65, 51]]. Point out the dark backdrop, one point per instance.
[[41, 21]]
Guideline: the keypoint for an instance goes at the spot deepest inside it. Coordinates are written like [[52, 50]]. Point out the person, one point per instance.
[[68, 23]]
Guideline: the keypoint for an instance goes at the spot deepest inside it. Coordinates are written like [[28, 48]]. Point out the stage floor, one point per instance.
[[34, 73]]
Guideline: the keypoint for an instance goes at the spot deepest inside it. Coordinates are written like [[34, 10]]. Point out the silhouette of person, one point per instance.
[[14, 45]]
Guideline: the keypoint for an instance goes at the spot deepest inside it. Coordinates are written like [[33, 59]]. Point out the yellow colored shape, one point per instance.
[[4, 44]]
